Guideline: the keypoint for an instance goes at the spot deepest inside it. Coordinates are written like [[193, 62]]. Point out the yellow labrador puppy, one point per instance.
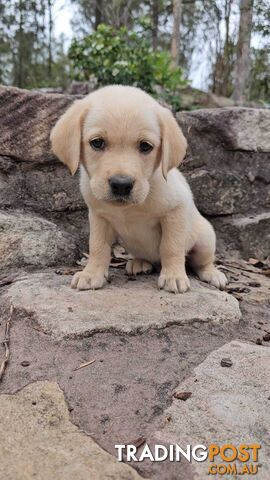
[[128, 148]]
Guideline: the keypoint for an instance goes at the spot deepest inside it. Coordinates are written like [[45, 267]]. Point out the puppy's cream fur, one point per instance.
[[159, 222]]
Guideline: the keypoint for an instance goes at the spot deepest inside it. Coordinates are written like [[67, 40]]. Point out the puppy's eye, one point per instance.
[[145, 147], [97, 143]]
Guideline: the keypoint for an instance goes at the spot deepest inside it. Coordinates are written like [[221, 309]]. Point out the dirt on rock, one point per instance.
[[124, 394]]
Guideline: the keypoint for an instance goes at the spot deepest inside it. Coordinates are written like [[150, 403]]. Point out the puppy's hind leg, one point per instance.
[[136, 266], [202, 256]]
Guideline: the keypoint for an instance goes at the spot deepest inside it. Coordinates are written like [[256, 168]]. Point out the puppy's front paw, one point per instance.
[[213, 276], [174, 283], [88, 280]]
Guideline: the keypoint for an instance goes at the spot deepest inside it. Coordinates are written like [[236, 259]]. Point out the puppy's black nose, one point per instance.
[[121, 185]]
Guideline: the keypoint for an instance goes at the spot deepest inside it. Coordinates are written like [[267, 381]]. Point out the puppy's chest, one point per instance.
[[129, 224], [139, 232]]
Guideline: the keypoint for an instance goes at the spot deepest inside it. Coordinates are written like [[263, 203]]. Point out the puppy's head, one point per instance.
[[121, 135]]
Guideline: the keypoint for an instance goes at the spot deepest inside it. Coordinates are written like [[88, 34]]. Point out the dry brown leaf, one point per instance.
[[259, 263], [182, 395], [253, 261], [119, 252]]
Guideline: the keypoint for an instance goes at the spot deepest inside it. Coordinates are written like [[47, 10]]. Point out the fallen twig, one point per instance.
[[6, 344], [239, 267], [67, 271], [222, 267], [84, 365], [138, 442], [117, 264]]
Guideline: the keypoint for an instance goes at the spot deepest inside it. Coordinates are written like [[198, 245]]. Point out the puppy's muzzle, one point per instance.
[[121, 185]]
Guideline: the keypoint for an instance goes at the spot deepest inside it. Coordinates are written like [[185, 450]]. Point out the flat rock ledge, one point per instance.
[[42, 443], [122, 306], [228, 405]]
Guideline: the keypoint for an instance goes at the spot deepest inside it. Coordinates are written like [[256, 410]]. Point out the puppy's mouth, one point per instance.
[[121, 200]]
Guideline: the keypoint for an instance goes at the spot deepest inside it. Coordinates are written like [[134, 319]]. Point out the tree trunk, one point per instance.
[[50, 40], [98, 13], [243, 51], [19, 82], [226, 73], [175, 44], [155, 16]]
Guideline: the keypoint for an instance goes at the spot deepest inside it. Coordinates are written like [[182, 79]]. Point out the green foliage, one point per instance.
[[261, 20], [124, 57], [260, 76], [133, 44], [30, 57]]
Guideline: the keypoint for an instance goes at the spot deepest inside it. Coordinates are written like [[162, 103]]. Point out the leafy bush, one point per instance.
[[259, 87], [125, 57]]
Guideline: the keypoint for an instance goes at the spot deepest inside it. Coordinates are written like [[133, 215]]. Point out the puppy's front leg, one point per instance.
[[173, 277], [96, 271]]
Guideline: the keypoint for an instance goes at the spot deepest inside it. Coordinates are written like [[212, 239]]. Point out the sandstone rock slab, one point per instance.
[[227, 163], [249, 234], [39, 441], [122, 306], [30, 174], [31, 240], [27, 138], [227, 405], [239, 128]]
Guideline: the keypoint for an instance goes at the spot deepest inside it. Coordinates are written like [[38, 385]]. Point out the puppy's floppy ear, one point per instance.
[[66, 135], [173, 142]]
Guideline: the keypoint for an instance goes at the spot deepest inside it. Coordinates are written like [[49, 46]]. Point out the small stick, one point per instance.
[[6, 344], [68, 271], [221, 267], [84, 365], [238, 267]]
